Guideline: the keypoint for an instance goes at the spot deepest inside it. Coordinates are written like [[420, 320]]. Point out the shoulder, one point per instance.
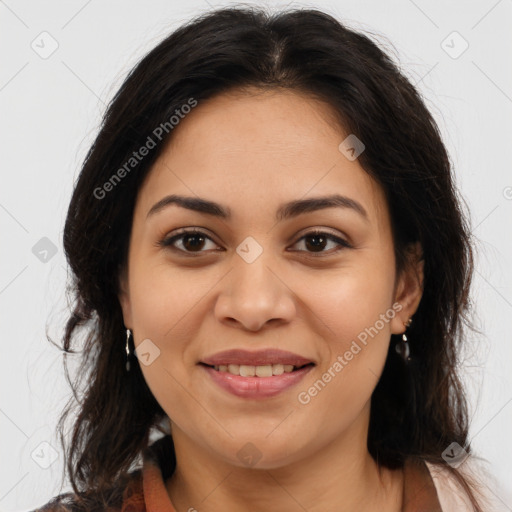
[[127, 490], [61, 503], [127, 494], [454, 497], [451, 495]]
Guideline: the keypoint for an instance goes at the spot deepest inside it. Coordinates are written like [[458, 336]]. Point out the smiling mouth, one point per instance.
[[267, 370]]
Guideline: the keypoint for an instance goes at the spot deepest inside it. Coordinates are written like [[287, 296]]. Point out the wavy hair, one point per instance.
[[417, 410]]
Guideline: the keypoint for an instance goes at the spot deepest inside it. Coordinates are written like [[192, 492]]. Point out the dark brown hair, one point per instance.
[[418, 409]]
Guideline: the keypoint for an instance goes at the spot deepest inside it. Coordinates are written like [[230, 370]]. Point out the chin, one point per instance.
[[260, 452]]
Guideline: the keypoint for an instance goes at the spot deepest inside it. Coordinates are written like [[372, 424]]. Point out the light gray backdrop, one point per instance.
[[61, 63]]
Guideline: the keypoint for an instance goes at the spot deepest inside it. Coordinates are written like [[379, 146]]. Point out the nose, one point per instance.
[[254, 294]]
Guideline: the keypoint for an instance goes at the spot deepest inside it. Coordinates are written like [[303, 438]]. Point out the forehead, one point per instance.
[[279, 122], [254, 148]]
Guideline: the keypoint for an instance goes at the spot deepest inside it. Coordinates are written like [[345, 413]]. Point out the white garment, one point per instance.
[[452, 496]]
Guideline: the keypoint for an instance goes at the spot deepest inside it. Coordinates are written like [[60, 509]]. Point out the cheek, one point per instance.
[[356, 307], [164, 297], [352, 300], [163, 304]]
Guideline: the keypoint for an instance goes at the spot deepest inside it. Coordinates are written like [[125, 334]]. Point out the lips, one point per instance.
[[261, 374], [257, 358]]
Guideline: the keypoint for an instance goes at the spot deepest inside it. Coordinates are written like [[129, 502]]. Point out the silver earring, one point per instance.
[[128, 332], [402, 348]]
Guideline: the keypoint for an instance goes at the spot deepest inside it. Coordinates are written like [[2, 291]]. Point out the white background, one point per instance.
[[50, 112]]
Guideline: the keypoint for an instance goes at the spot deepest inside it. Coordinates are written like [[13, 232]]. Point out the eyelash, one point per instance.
[[168, 242]]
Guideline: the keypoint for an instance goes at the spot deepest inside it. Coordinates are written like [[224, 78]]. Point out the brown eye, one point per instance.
[[317, 241], [191, 241]]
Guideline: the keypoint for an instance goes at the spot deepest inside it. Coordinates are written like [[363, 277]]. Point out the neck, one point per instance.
[[342, 476]]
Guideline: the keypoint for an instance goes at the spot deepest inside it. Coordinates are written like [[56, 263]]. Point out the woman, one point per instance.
[[273, 269]]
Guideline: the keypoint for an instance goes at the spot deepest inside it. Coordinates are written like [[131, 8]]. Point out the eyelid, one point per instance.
[[339, 240], [167, 241]]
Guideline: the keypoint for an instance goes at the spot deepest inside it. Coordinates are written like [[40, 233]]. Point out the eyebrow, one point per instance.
[[285, 211]]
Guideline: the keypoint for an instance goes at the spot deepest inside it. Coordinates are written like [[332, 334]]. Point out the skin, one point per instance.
[[252, 151]]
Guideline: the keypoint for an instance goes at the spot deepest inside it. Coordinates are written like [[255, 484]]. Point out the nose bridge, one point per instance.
[[253, 294]]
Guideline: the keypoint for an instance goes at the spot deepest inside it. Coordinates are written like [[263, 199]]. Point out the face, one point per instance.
[[297, 303]]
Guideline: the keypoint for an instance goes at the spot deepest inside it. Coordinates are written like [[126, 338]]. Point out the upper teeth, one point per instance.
[[259, 371]]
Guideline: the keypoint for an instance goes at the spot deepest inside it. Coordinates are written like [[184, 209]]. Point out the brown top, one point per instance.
[[420, 493], [145, 489]]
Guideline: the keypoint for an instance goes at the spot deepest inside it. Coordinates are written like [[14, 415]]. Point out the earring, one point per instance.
[[128, 332], [402, 347]]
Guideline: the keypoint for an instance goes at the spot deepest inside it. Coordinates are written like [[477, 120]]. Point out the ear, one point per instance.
[[124, 298], [409, 288]]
